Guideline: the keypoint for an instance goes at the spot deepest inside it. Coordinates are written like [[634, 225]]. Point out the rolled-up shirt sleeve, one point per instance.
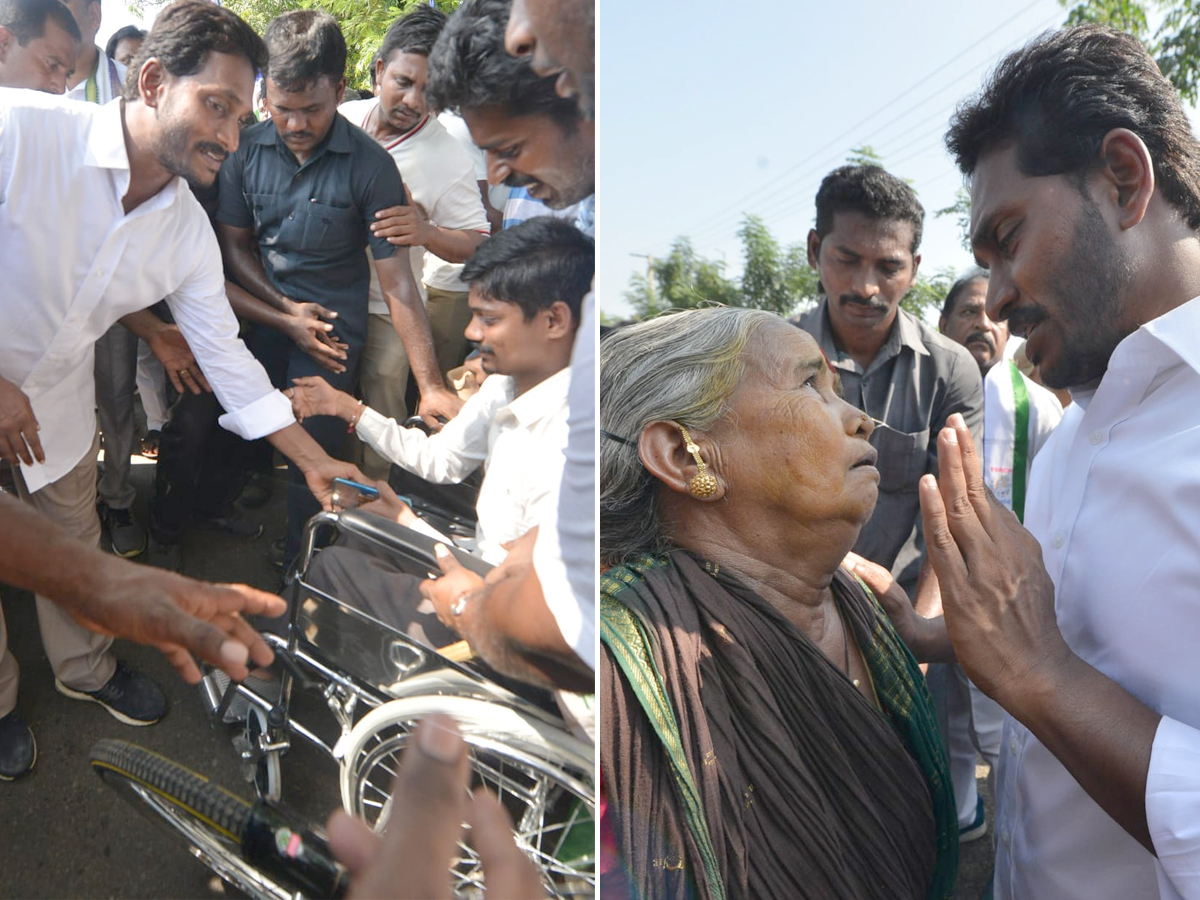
[[1173, 804], [254, 408]]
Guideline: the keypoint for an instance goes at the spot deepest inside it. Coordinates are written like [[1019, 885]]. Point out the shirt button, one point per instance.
[[99, 273], [1059, 540], [1012, 745], [1007, 838], [1096, 437], [291, 215]]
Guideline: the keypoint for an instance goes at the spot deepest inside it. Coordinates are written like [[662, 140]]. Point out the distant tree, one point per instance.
[[773, 277], [681, 280], [961, 208], [1175, 44]]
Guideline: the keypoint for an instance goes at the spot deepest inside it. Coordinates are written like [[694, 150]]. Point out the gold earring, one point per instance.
[[702, 485]]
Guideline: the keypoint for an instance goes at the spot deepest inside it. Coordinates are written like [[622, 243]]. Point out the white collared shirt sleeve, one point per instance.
[[1173, 804], [448, 456]]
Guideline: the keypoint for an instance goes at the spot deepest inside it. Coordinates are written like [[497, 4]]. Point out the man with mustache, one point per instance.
[[533, 137], [117, 173], [1018, 417], [892, 366], [39, 40], [296, 204], [441, 226]]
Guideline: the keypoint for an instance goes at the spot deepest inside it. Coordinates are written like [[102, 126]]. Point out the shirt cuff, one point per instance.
[[268, 414], [1172, 801], [575, 616]]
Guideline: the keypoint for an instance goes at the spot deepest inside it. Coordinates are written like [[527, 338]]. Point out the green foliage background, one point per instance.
[[363, 23]]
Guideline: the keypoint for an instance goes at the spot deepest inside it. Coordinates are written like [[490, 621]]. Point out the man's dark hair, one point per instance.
[[470, 69], [186, 32], [127, 32], [415, 32], [26, 19], [303, 46], [1056, 99], [872, 191], [967, 278], [533, 265]]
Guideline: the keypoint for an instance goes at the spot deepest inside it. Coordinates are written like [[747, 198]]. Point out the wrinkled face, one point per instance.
[[303, 117], [560, 36], [968, 324], [198, 117], [1058, 275], [126, 50], [402, 90], [866, 267], [534, 152], [792, 445], [43, 64], [508, 345]]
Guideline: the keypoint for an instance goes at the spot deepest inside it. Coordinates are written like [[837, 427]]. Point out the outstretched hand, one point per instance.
[[430, 803], [998, 598]]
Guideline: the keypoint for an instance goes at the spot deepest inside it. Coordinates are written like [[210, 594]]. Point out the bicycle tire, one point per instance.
[[211, 820], [542, 775]]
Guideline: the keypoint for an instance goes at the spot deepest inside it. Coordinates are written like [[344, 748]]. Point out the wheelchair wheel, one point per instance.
[[267, 777], [542, 775], [209, 818]]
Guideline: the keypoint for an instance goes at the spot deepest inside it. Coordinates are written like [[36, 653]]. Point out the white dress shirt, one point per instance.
[[74, 263], [519, 441], [1115, 503], [566, 553]]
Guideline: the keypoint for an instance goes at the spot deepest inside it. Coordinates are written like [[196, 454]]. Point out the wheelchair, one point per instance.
[[377, 683]]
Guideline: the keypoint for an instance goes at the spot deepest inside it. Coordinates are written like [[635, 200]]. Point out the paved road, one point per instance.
[[63, 833]]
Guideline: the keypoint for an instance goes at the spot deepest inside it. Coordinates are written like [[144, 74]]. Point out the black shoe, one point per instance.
[[127, 536], [18, 750], [257, 491], [129, 696], [235, 523], [278, 554]]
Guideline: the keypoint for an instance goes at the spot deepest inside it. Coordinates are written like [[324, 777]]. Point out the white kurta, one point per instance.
[[1115, 503]]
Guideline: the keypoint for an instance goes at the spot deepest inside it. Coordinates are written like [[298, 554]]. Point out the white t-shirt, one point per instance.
[[1115, 504], [441, 177], [999, 421], [62, 161]]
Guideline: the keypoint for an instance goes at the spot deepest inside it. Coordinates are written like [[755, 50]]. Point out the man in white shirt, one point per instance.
[[1018, 417], [116, 173], [527, 285], [442, 224], [533, 138], [1085, 205], [39, 41]]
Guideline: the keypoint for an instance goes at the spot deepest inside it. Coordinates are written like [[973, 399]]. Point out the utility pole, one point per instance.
[[650, 290]]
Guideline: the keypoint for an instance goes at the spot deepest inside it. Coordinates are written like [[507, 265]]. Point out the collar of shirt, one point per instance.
[[106, 150], [336, 141], [541, 401], [904, 333]]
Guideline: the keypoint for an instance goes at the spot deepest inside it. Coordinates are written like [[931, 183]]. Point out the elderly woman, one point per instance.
[[765, 732]]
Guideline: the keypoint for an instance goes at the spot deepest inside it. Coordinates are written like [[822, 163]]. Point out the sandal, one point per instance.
[[150, 444]]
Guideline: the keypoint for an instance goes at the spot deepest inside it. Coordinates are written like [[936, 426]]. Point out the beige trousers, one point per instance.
[[79, 657], [384, 374]]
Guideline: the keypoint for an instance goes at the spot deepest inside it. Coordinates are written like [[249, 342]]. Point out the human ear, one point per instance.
[[814, 247], [151, 82], [663, 451], [6, 39], [560, 322], [1128, 173]]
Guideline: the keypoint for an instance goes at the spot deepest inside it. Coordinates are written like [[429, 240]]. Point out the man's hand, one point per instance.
[[171, 349], [457, 582], [180, 617], [18, 427], [998, 598], [311, 333], [438, 406], [320, 474], [312, 395], [430, 802], [390, 506], [403, 226]]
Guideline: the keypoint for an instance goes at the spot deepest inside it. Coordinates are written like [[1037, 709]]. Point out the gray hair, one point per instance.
[[680, 367]]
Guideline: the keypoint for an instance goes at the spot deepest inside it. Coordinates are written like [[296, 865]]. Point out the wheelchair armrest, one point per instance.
[[416, 422], [405, 541]]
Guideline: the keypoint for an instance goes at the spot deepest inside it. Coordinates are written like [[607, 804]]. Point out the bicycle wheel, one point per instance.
[[211, 820], [542, 775]]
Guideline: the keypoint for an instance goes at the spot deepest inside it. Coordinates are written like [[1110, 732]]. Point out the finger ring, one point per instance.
[[182, 372], [459, 605]]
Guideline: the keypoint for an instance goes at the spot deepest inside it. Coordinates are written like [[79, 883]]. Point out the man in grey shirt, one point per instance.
[[893, 366]]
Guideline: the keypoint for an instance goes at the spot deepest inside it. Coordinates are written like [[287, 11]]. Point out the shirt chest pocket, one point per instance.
[[307, 225], [902, 458]]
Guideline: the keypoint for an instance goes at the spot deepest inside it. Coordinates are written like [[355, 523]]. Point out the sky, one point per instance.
[[710, 110], [115, 14]]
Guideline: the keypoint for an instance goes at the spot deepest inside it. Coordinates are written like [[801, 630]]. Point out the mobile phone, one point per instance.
[[349, 494]]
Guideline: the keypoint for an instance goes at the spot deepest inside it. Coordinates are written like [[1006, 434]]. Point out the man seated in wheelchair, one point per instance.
[[526, 288]]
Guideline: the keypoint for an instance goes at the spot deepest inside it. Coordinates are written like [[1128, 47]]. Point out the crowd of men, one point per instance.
[[326, 250]]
